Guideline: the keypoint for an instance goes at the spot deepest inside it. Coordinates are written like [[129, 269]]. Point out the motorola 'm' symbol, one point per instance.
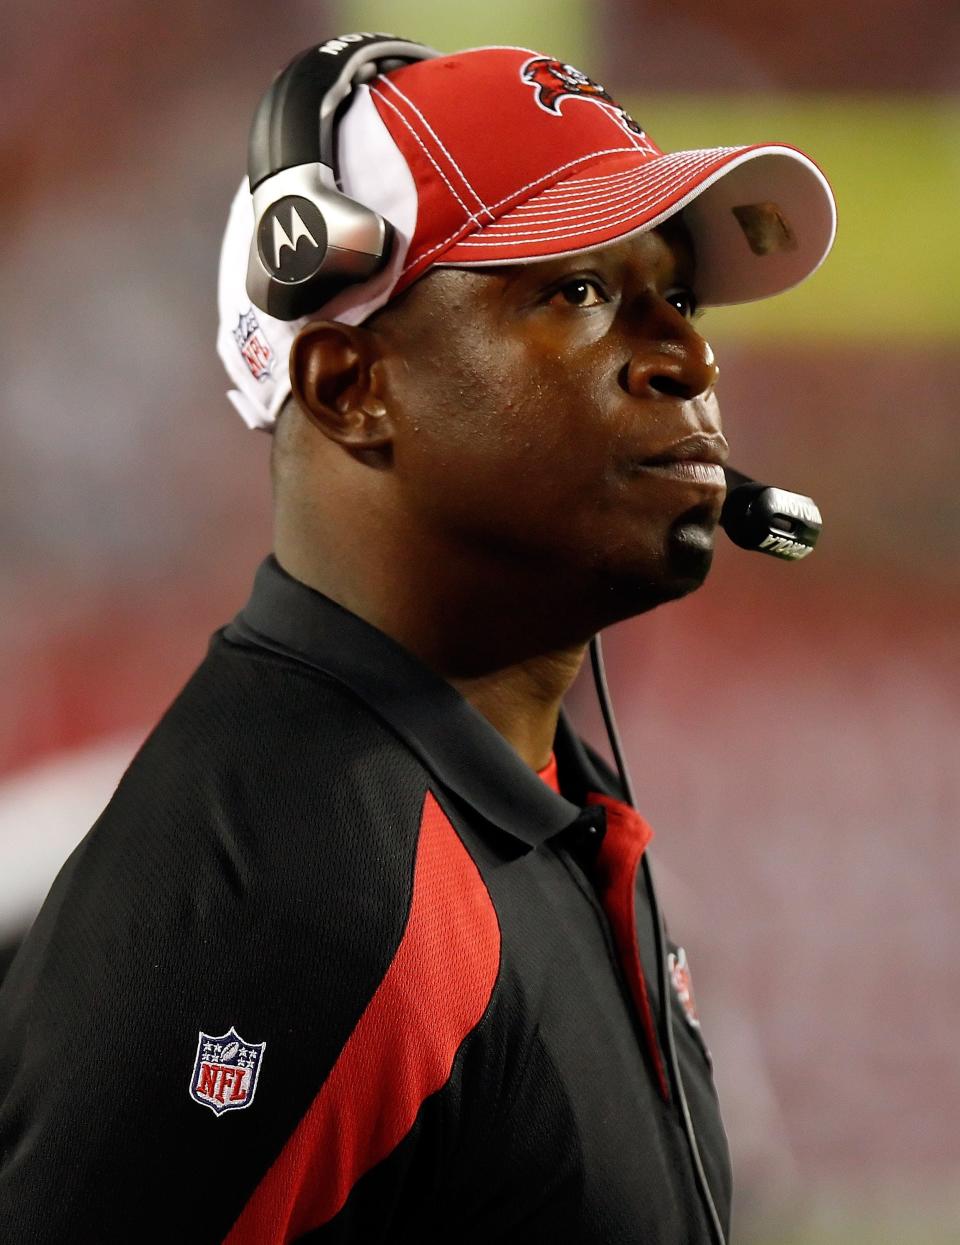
[[292, 239]]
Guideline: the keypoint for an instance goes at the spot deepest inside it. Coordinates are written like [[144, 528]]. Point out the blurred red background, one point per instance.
[[792, 729]]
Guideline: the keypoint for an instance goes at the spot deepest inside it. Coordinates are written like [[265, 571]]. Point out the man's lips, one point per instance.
[[698, 459], [699, 447]]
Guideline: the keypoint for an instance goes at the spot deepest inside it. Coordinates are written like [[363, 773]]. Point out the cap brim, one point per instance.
[[762, 218]]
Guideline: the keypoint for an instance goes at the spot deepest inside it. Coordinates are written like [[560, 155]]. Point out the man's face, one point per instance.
[[530, 400]]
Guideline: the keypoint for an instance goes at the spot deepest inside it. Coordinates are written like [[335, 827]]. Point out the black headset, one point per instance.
[[309, 239]]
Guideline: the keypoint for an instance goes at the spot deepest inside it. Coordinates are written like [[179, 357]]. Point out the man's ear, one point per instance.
[[336, 380]]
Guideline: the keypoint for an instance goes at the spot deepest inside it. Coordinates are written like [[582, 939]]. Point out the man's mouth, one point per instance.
[[710, 449], [696, 472], [698, 458]]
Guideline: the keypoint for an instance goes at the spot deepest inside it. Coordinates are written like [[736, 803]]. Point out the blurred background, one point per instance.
[[792, 729]]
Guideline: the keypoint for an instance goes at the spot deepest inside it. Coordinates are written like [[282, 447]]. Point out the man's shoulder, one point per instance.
[[266, 792], [252, 828], [259, 737], [243, 698]]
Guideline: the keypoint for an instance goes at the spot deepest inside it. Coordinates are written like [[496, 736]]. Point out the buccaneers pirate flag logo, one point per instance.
[[683, 984], [554, 81]]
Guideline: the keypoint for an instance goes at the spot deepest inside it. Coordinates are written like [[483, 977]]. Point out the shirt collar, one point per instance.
[[457, 745]]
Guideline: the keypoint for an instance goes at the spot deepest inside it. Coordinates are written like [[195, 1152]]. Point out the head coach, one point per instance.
[[363, 949]]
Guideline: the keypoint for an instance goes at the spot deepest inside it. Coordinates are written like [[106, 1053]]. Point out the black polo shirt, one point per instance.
[[335, 965]]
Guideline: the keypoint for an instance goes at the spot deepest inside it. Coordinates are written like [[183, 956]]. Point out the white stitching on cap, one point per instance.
[[576, 222], [658, 186], [446, 181], [540, 205], [587, 222], [436, 138], [583, 187], [536, 209], [670, 158], [577, 227], [593, 155]]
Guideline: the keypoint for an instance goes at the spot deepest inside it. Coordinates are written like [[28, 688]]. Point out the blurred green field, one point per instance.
[[858, 1231], [898, 1214], [563, 27], [894, 273]]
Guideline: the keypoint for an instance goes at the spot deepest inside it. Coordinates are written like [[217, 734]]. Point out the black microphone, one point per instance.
[[769, 520]]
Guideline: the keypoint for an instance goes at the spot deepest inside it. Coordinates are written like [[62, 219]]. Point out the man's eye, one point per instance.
[[684, 301], [581, 292]]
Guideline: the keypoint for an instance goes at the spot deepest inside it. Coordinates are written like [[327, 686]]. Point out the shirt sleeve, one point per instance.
[[237, 1011]]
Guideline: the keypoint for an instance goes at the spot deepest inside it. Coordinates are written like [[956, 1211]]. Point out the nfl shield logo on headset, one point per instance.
[[226, 1071]]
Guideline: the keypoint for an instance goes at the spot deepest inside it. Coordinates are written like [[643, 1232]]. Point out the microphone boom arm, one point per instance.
[[769, 520]]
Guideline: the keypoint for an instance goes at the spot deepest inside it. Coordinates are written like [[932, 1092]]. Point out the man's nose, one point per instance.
[[670, 358]]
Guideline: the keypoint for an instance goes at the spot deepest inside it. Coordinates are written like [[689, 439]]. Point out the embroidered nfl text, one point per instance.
[[225, 1071]]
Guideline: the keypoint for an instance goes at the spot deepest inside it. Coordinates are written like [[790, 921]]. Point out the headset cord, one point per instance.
[[613, 735]]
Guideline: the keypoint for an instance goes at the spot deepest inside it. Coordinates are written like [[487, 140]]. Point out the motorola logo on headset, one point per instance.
[[292, 239]]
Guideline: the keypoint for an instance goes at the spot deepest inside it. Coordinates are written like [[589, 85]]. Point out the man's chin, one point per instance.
[[689, 555], [682, 567]]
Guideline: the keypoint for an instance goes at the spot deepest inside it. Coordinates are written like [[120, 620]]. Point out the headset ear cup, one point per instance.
[[309, 242]]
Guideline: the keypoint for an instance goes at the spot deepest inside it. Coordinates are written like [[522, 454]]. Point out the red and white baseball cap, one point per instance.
[[502, 156]]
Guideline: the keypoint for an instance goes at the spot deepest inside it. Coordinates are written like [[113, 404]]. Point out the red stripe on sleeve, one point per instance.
[[616, 867], [402, 1048]]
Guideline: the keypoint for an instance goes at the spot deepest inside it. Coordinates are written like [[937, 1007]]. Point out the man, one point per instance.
[[362, 948]]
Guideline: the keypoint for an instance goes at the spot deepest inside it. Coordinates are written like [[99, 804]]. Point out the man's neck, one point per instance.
[[459, 639], [523, 701]]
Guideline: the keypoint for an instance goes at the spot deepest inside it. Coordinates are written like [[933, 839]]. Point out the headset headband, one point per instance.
[[294, 123], [309, 239]]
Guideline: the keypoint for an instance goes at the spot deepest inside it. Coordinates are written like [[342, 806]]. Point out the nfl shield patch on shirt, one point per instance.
[[225, 1071]]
